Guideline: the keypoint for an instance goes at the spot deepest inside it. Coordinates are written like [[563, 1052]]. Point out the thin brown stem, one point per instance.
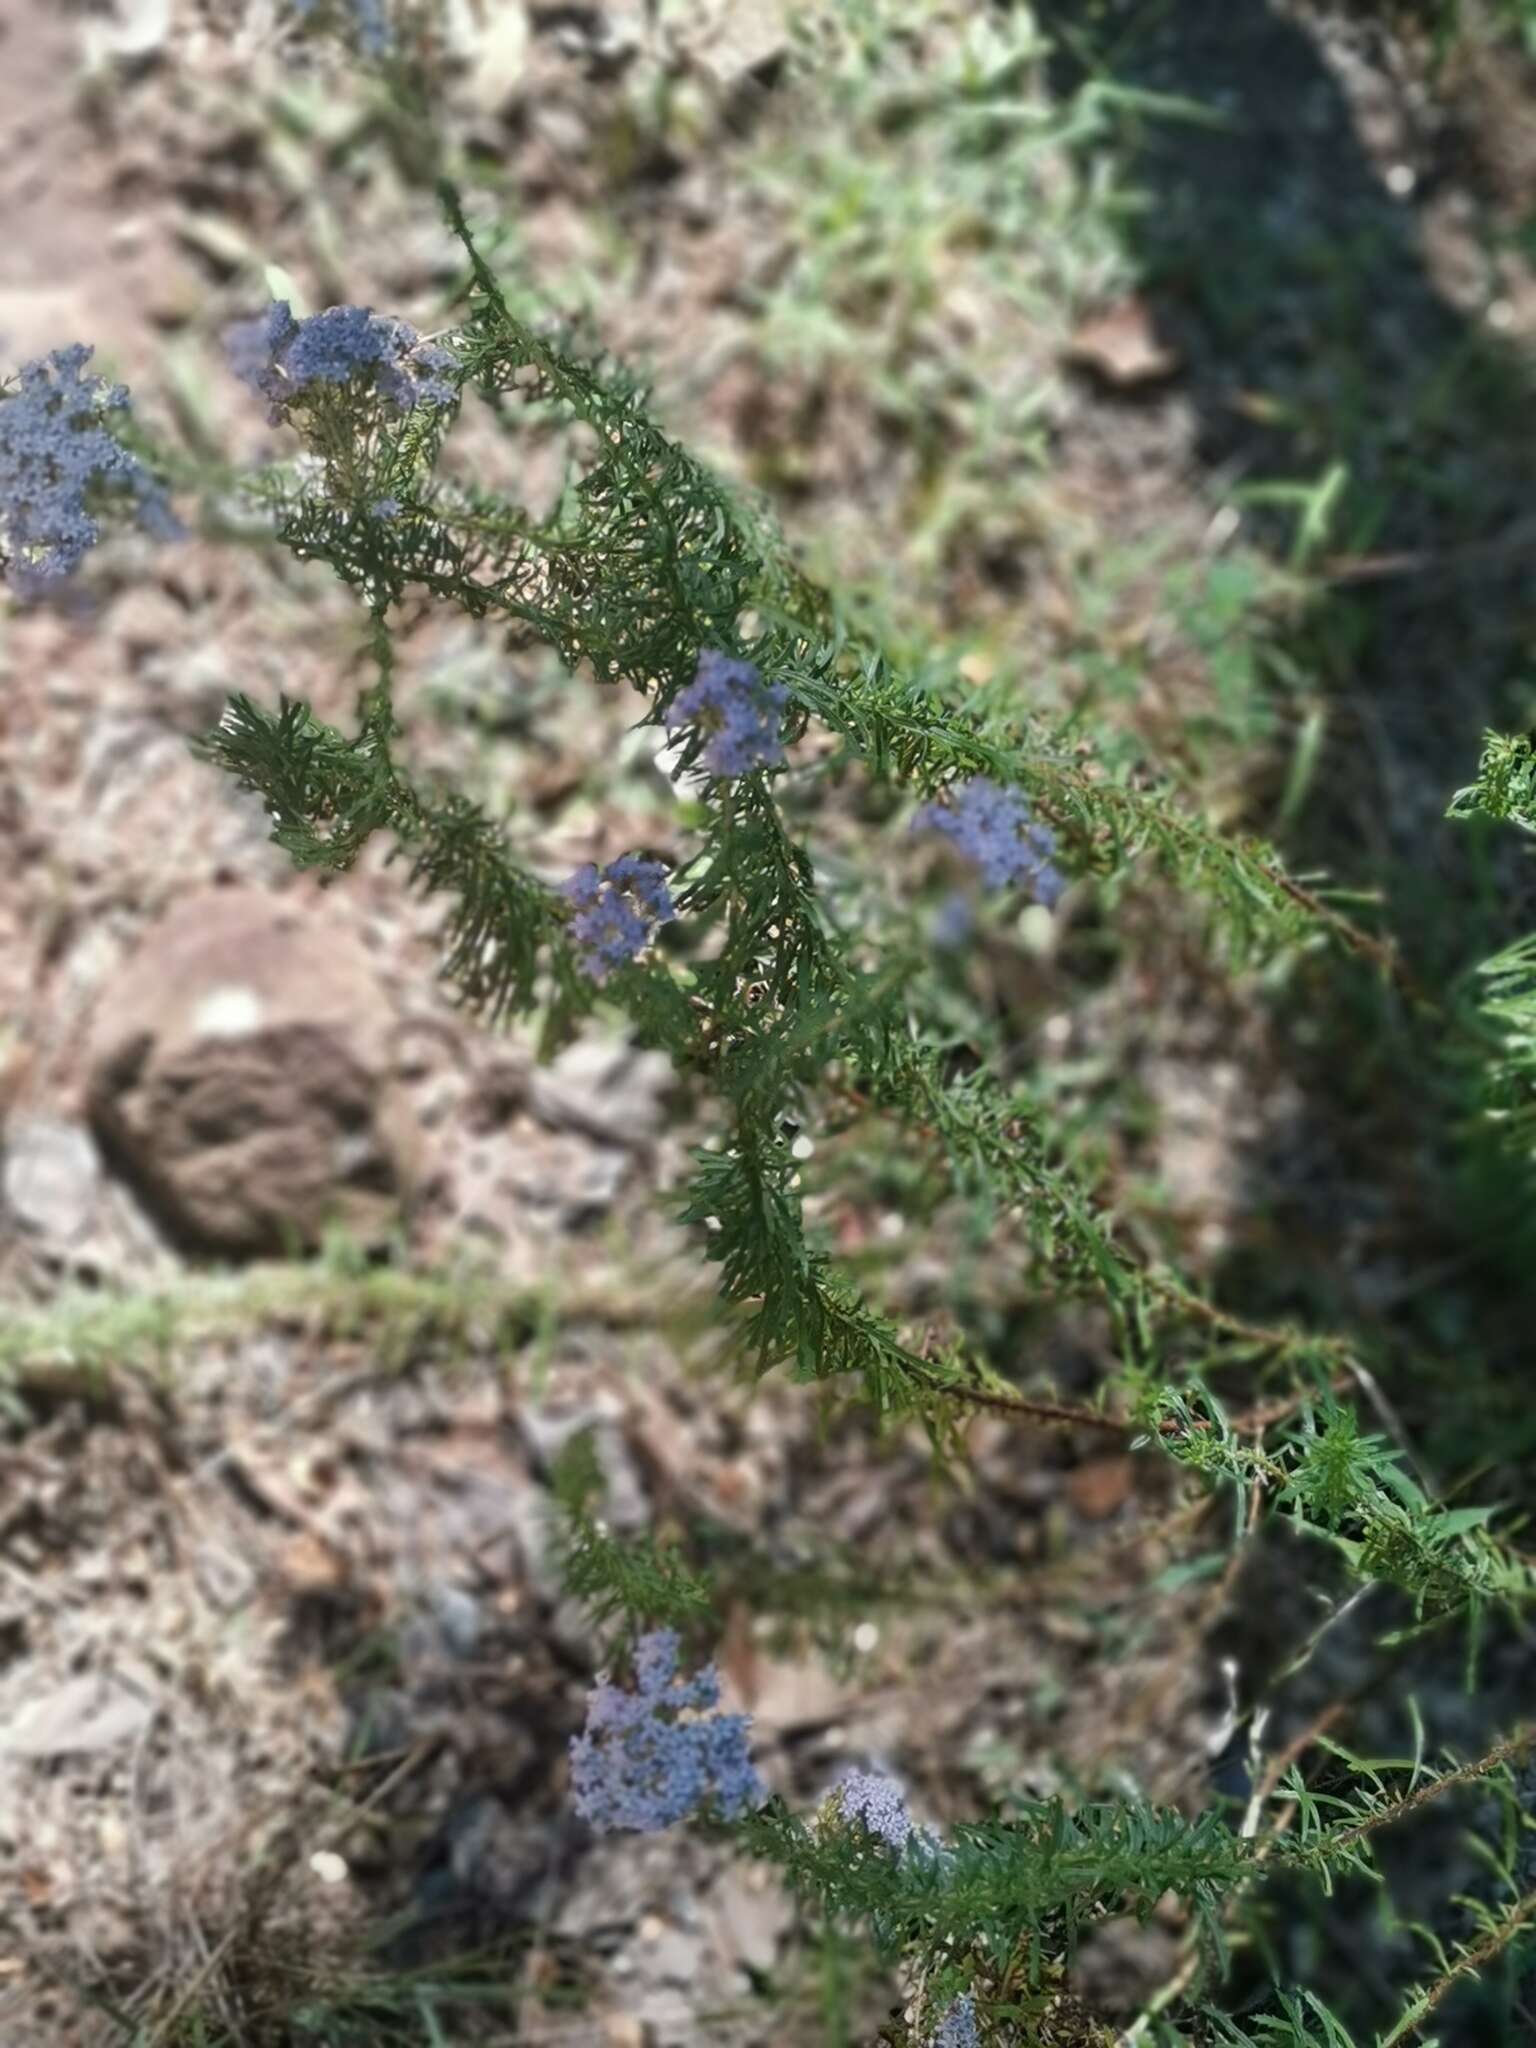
[[1061, 1412], [1468, 1964], [1467, 1774]]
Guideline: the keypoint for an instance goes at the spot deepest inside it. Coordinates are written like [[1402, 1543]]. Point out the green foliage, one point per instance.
[[1337, 1466], [631, 1578], [1506, 783], [645, 559], [935, 246], [1507, 1008], [1032, 1879], [1302, 2022], [85, 1343], [1505, 987], [1351, 1489], [781, 995]]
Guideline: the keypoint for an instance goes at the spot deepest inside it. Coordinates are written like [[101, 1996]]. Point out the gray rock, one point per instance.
[[609, 1091], [77, 1718], [458, 1618], [52, 1180], [750, 1914], [741, 40]]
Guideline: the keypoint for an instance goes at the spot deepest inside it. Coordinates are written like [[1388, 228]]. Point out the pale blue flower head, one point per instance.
[[957, 2029], [61, 466], [638, 1765], [992, 827], [288, 361], [875, 1802], [742, 713], [618, 908]]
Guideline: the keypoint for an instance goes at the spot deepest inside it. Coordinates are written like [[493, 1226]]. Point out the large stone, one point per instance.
[[241, 1077]]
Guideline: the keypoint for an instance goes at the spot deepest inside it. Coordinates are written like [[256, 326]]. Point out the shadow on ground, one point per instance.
[[1287, 260], [1318, 250]]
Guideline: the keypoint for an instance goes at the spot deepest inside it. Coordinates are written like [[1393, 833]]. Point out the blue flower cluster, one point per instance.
[[743, 714], [876, 1802], [374, 35], [284, 360], [60, 464], [958, 2027], [636, 1765], [992, 827], [617, 910]]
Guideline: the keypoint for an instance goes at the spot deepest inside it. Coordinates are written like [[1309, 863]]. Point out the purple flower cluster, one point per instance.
[[60, 463], [283, 359], [617, 910], [743, 714], [637, 1765], [992, 827], [958, 2027], [876, 1802], [374, 34]]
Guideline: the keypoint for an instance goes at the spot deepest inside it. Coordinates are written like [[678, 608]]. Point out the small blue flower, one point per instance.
[[385, 508], [60, 465], [958, 2027], [743, 714], [876, 1803], [636, 1765], [992, 828], [286, 360], [617, 910]]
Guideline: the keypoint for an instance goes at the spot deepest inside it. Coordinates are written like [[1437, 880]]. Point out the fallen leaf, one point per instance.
[[1122, 346], [789, 1695], [310, 1565]]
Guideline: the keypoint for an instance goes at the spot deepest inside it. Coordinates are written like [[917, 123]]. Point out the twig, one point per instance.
[[190, 1990], [1283, 1759], [1039, 1411], [1493, 1943], [1161, 1999], [1265, 1336], [1428, 561], [1467, 1774], [1257, 1420]]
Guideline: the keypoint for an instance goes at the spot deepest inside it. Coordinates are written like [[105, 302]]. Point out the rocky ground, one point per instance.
[[309, 1276]]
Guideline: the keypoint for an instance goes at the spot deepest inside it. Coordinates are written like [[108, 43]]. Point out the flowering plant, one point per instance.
[[651, 573]]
